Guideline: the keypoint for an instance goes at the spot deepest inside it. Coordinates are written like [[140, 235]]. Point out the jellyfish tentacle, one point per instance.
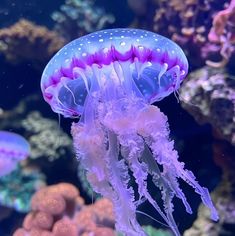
[[78, 71], [162, 72], [168, 174], [164, 153], [119, 178], [174, 185], [162, 184], [90, 149], [64, 81], [174, 73], [174, 170], [134, 147], [118, 70], [129, 83], [107, 175]]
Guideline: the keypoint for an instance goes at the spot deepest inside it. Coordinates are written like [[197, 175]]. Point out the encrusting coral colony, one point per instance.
[[25, 41], [204, 29], [59, 210]]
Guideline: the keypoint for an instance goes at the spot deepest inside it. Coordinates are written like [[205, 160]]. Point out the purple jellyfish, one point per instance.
[[110, 78], [13, 148]]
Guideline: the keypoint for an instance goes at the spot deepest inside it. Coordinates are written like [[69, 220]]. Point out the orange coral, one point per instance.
[[58, 210], [25, 41]]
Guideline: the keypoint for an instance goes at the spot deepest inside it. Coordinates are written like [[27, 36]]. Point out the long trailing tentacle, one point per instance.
[[124, 204], [156, 135], [162, 184], [107, 174], [133, 146], [129, 134]]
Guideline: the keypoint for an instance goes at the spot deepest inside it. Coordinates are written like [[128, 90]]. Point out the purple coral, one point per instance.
[[222, 33], [110, 78]]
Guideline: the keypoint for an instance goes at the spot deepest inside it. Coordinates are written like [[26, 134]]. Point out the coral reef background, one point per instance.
[[202, 122]]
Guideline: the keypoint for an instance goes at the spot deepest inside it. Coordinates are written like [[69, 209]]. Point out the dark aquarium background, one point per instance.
[[48, 193]]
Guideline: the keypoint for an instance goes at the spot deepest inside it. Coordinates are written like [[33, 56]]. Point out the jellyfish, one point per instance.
[[109, 80], [13, 149]]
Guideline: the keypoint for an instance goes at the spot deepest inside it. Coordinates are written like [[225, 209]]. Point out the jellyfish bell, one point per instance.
[[110, 78], [144, 63], [13, 149]]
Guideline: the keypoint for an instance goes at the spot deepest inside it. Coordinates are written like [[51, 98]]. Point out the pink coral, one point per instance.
[[189, 23], [58, 210], [222, 33]]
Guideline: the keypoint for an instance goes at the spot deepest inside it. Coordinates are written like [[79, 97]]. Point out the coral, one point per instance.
[[59, 210], [209, 96], [151, 231], [222, 33], [188, 23], [78, 17], [154, 232], [25, 41], [17, 188], [45, 136]]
